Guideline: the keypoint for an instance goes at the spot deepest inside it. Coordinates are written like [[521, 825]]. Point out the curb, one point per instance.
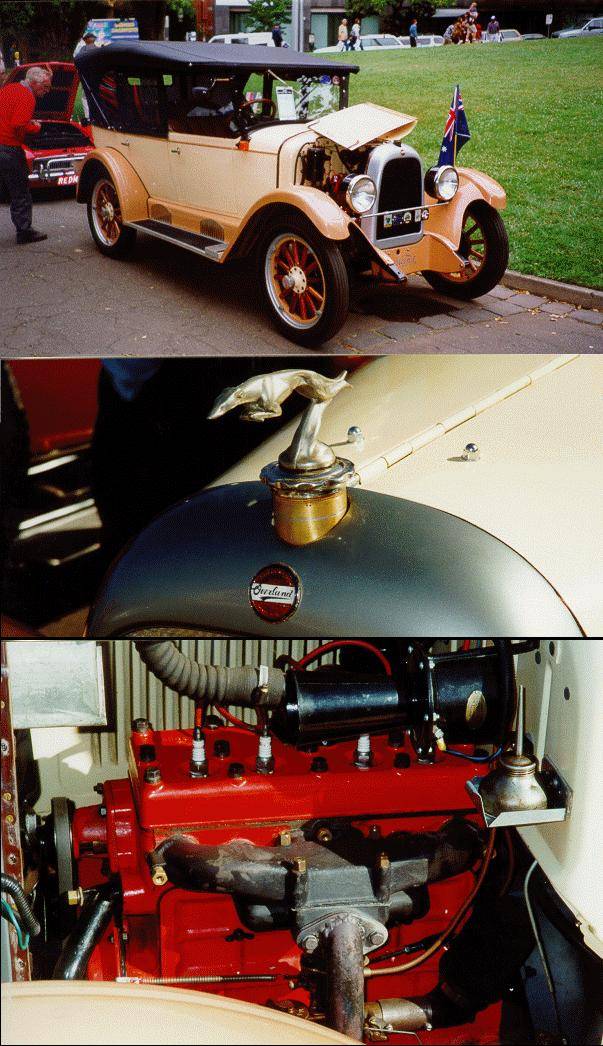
[[587, 297]]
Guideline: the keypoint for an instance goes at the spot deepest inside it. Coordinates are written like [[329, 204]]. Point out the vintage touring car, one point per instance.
[[62, 142], [235, 152]]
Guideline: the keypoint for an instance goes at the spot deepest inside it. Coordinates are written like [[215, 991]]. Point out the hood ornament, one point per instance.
[[308, 482]]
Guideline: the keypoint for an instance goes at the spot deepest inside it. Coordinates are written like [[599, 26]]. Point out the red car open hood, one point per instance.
[[58, 104]]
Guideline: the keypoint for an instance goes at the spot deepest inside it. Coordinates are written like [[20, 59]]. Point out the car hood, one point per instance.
[[349, 128], [538, 430], [58, 104]]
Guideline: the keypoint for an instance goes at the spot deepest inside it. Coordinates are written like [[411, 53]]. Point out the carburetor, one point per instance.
[[274, 862]]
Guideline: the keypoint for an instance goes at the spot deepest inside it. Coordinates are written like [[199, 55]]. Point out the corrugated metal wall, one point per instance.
[[72, 760]]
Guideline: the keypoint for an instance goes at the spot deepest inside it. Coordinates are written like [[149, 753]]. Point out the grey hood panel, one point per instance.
[[392, 567]]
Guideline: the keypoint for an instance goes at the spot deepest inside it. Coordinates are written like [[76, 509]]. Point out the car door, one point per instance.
[[201, 150], [143, 127]]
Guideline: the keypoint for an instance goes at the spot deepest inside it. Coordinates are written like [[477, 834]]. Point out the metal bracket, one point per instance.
[[559, 799]]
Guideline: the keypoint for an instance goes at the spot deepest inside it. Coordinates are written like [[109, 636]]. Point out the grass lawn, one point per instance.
[[536, 118]]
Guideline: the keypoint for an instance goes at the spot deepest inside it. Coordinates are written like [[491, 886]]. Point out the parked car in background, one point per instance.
[[423, 41], [372, 42], [509, 36], [534, 36], [52, 154], [594, 27], [257, 39]]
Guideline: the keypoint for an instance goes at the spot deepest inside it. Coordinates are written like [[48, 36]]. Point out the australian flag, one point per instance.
[[456, 132]]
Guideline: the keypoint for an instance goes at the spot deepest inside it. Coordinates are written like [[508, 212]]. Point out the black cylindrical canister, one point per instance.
[[320, 706]]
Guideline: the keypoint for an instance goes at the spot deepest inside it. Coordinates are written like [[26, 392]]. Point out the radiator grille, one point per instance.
[[401, 186]]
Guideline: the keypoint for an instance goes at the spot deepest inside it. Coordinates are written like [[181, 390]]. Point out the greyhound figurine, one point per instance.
[[262, 397]]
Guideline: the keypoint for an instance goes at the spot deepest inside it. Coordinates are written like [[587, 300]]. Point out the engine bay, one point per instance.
[[325, 856]]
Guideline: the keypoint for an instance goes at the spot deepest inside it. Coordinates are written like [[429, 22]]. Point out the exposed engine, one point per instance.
[[326, 860], [382, 184]]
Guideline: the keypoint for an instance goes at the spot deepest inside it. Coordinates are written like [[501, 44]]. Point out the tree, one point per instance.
[[401, 14], [364, 8], [264, 14]]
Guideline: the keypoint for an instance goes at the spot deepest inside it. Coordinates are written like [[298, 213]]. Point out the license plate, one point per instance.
[[67, 179], [402, 218]]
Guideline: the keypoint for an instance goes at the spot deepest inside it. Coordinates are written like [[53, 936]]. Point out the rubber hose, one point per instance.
[[13, 888], [214, 684], [95, 915]]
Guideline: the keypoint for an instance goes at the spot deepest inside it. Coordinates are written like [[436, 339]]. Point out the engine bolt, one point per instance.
[[159, 875], [221, 749], [299, 865], [236, 770], [319, 765], [310, 943], [152, 775], [401, 760], [75, 896], [141, 726], [284, 838], [324, 835], [377, 938]]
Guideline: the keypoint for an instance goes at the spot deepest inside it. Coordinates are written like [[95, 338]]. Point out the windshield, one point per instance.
[[305, 98]]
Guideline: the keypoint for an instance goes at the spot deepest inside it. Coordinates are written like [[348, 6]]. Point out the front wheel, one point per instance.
[[485, 245], [305, 282], [109, 233]]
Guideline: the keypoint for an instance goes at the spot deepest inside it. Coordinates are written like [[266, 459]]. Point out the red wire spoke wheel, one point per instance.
[[485, 246], [105, 219], [305, 282], [295, 280]]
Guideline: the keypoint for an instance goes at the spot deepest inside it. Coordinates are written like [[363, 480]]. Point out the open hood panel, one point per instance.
[[58, 104], [360, 124]]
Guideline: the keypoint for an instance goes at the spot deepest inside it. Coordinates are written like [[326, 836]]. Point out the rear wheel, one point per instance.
[[305, 282], [110, 234], [485, 245]]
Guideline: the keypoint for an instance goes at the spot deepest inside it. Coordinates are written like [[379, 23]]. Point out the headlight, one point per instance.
[[360, 193], [442, 182]]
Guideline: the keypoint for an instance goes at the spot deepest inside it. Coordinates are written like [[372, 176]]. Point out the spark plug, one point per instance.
[[198, 763], [264, 763], [363, 757]]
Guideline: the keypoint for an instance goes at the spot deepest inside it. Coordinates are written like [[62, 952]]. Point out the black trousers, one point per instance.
[[14, 175]]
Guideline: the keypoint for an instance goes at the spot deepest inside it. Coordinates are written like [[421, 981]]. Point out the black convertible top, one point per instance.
[[224, 58]]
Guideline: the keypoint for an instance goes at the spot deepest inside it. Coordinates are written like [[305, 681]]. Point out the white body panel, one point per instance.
[[539, 425], [569, 731]]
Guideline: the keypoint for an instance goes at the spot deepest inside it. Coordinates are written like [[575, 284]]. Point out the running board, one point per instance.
[[207, 246]]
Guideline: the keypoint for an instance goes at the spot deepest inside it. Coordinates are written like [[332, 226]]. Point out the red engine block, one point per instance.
[[172, 933]]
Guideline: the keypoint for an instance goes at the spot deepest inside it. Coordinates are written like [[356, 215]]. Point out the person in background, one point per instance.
[[88, 40], [448, 35], [493, 30], [277, 36], [17, 105], [413, 32], [342, 35], [356, 42]]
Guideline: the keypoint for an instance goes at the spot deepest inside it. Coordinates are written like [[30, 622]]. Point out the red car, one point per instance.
[[51, 155]]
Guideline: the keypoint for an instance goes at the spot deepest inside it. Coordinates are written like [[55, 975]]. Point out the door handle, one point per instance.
[[176, 150]]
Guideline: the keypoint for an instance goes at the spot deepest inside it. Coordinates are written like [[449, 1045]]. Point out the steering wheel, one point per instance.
[[260, 101]]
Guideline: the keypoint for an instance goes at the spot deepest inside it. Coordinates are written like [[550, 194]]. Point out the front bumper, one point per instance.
[[56, 170]]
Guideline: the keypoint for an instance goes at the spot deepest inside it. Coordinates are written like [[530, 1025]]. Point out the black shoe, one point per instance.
[[31, 236]]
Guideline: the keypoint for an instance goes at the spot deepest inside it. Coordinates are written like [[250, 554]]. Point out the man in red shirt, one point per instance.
[[17, 105]]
